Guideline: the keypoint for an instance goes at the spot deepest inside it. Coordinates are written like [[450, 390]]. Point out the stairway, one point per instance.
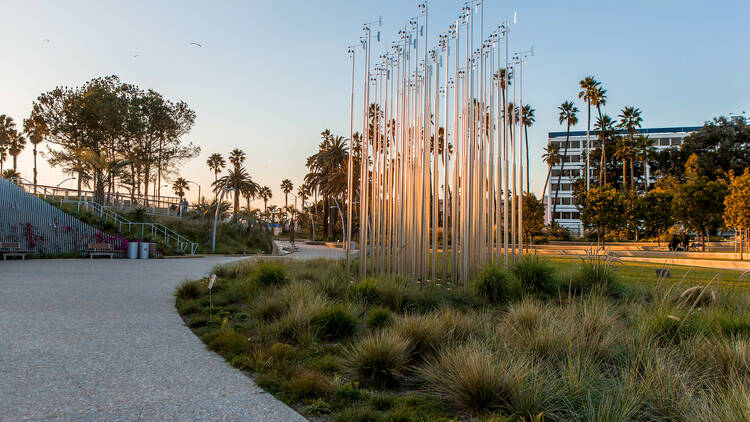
[[43, 228]]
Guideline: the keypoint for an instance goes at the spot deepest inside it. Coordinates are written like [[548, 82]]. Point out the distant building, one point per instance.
[[567, 214]]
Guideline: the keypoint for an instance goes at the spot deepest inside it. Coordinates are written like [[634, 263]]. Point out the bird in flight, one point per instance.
[[196, 44], [46, 40], [135, 55]]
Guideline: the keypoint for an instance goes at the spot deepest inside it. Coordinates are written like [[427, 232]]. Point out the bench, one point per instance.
[[662, 273], [12, 249], [100, 249]]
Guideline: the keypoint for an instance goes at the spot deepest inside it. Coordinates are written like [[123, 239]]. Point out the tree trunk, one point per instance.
[[624, 174], [326, 212], [645, 178], [15, 161], [35, 174], [703, 240], [632, 176]]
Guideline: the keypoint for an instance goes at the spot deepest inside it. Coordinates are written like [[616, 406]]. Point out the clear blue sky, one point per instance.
[[272, 75]]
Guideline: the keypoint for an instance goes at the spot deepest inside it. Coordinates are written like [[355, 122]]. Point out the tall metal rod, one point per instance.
[[350, 171]]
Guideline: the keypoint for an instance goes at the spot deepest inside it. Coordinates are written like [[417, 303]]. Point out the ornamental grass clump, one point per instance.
[[379, 359], [536, 274], [379, 317], [425, 333], [494, 284], [595, 272], [269, 273], [188, 290], [336, 322]]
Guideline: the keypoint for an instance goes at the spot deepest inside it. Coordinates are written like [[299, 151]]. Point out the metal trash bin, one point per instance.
[[143, 250], [133, 250]]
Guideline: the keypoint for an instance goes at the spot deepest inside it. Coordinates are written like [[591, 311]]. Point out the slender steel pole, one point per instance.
[[350, 171]]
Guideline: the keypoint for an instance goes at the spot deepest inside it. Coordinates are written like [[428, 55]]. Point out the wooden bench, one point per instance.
[[100, 249], [12, 249]]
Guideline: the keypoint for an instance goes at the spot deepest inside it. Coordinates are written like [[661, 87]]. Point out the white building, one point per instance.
[[567, 214]]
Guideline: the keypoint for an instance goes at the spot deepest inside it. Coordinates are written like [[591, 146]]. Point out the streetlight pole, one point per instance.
[[199, 189], [216, 216]]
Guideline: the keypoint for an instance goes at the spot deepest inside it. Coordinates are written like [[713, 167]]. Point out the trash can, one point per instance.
[[133, 250], [143, 250]]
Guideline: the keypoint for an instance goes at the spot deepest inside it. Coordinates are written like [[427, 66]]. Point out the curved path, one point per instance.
[[84, 340]]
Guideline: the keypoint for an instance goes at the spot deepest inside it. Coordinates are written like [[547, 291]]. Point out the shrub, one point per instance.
[[336, 322], [366, 290], [494, 284], [379, 359], [388, 291], [188, 290], [595, 272], [469, 378], [536, 274], [227, 341], [187, 307], [269, 306], [269, 273], [349, 392], [317, 407], [307, 384], [379, 317], [425, 333]]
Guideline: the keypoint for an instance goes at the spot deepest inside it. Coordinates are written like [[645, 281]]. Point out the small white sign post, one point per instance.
[[211, 282]]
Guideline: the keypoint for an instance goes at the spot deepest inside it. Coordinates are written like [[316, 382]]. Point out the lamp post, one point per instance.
[[216, 216], [343, 228], [199, 189]]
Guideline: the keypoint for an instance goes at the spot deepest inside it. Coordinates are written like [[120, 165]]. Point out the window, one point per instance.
[[676, 141], [664, 142], [575, 144], [576, 215]]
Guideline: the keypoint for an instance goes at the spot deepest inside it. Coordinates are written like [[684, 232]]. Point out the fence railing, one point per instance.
[[44, 229], [154, 230]]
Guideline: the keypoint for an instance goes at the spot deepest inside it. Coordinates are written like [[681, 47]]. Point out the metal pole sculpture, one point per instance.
[[441, 136]]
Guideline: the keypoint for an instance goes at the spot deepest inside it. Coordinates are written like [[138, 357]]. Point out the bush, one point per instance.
[[188, 290], [307, 384], [388, 291], [379, 359], [269, 273], [425, 333], [366, 291], [227, 341], [536, 274], [595, 272], [336, 322], [379, 317], [470, 378], [494, 284]]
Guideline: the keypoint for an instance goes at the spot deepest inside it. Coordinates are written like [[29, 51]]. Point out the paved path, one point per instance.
[[100, 340]]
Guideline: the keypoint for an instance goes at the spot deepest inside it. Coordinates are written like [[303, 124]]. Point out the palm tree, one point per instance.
[[265, 194], [623, 152], [36, 130], [552, 158], [630, 120], [598, 98], [286, 187], [567, 115], [179, 187], [644, 148], [216, 163], [588, 86], [3, 155], [11, 142], [527, 119], [237, 157], [11, 175], [328, 171], [15, 146], [239, 180], [605, 130]]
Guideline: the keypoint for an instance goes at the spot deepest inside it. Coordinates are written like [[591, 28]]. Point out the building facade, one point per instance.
[[567, 214]]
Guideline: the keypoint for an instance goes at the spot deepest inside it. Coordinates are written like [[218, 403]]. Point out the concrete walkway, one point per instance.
[[100, 340]]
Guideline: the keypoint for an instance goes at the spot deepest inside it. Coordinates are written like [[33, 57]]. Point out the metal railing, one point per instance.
[[170, 236]]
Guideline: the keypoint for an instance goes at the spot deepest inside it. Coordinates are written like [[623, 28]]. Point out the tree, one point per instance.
[[11, 175], [328, 172], [644, 148], [622, 152], [533, 215], [568, 116], [602, 208], [237, 157], [527, 120], [630, 120], [7, 134], [737, 203], [237, 178], [588, 87], [265, 194], [286, 187], [36, 131], [552, 158], [599, 99], [179, 187], [216, 163], [655, 212], [699, 205]]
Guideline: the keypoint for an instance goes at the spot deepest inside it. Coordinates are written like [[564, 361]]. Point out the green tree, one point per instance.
[[737, 202], [237, 178], [655, 212], [622, 152], [533, 216], [630, 121], [286, 187], [265, 194], [601, 208], [237, 157], [36, 131], [179, 187], [699, 205], [216, 163], [645, 150], [527, 120], [8, 132], [327, 173], [588, 85], [568, 117], [551, 157]]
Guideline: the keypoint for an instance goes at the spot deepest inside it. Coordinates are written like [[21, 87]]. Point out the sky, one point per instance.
[[272, 75]]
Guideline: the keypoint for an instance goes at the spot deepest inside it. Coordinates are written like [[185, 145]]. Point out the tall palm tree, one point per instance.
[[286, 187], [588, 86], [622, 152], [552, 158], [36, 130], [605, 131], [15, 146], [598, 98], [216, 163], [12, 142], [265, 194], [3, 155], [644, 147], [567, 116], [238, 179], [527, 119], [179, 187], [328, 171], [237, 157], [630, 120], [7, 130]]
